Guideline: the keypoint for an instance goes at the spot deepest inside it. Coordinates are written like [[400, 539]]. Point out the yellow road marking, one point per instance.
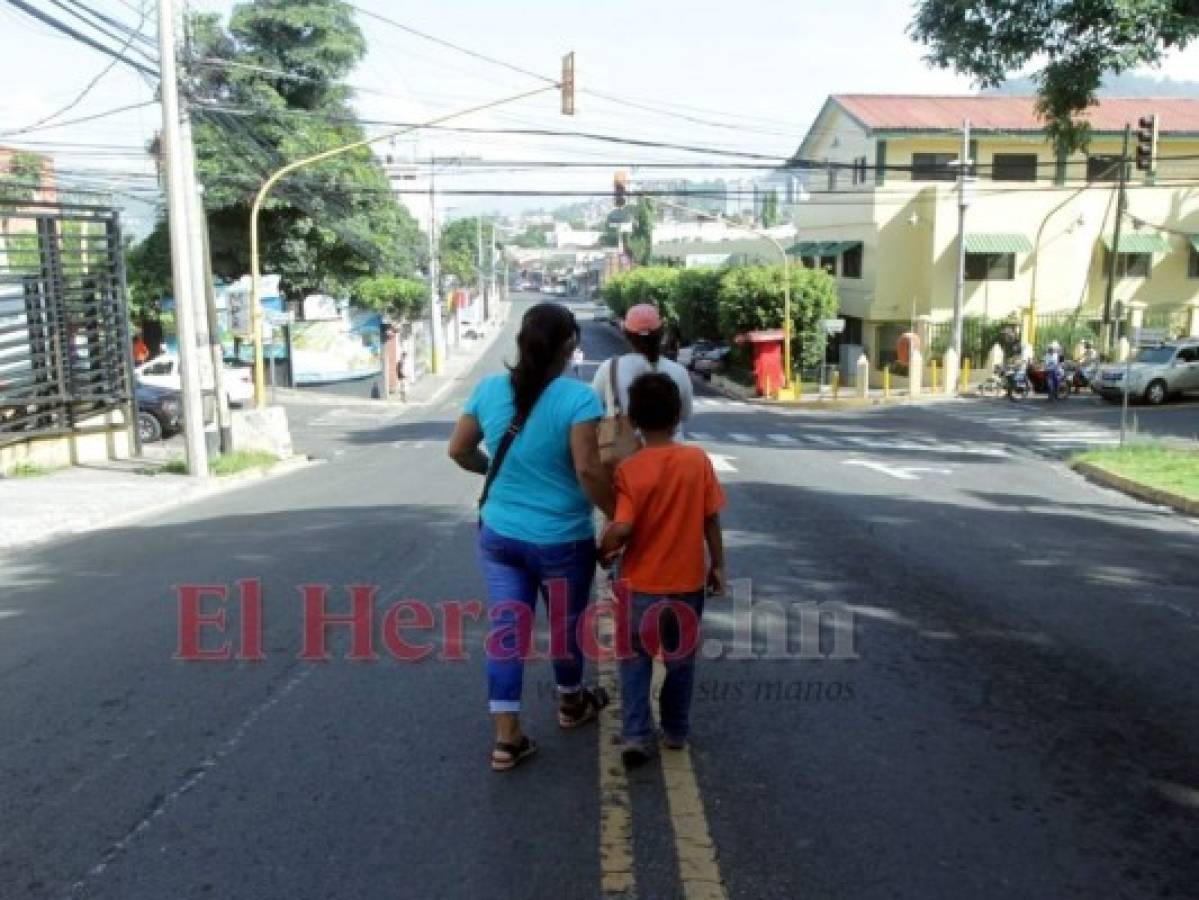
[[698, 869], [616, 812]]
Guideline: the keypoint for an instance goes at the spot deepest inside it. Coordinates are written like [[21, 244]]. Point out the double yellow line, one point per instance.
[[694, 850]]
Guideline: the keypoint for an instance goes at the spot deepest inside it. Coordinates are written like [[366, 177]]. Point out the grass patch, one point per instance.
[[26, 469], [1172, 469], [240, 461], [174, 467]]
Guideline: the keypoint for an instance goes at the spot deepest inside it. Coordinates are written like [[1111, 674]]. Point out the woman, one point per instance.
[[536, 533], [643, 330]]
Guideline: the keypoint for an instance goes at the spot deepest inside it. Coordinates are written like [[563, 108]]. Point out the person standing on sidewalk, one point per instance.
[[542, 475], [403, 374], [576, 359], [668, 503], [643, 330]]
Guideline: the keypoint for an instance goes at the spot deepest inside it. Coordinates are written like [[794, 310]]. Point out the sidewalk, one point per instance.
[[86, 498], [102, 495]]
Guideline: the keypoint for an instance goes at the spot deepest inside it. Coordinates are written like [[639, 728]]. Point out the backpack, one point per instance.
[[618, 439]]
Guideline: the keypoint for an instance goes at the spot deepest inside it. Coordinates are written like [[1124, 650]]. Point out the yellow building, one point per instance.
[[882, 214]]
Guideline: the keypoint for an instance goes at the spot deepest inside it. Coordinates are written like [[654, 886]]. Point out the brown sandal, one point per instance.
[[582, 707], [514, 754]]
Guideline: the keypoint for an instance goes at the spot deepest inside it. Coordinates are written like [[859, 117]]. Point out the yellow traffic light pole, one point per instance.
[[260, 198]]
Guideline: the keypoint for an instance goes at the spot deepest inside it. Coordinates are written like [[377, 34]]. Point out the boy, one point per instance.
[[667, 508]]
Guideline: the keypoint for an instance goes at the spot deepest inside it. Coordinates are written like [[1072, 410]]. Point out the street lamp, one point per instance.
[[275, 177]]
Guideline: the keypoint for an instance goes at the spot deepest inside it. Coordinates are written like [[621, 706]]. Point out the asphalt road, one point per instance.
[[1020, 716]]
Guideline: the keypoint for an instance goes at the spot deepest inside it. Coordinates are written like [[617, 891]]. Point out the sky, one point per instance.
[[748, 76]]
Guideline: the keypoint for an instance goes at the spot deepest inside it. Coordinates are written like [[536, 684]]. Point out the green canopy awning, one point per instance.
[[1139, 242], [822, 248], [998, 243], [1195, 241]]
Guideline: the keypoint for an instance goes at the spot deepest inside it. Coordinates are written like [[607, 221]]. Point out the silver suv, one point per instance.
[[1155, 374]]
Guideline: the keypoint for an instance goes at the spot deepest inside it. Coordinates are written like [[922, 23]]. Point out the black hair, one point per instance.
[[546, 333], [655, 403], [648, 345]]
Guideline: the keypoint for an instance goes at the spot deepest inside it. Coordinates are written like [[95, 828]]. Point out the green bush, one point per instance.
[[400, 298], [751, 298]]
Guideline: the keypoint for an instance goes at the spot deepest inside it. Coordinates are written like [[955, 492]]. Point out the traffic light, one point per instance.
[[620, 189], [1147, 143]]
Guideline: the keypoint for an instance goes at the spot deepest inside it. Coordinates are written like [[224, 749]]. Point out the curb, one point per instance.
[[1102, 477], [841, 404], [209, 486]]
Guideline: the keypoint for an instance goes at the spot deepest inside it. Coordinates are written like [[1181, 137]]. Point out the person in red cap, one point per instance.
[[643, 330]]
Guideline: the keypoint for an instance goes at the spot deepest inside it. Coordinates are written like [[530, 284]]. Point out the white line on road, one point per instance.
[[698, 436], [902, 473], [722, 463], [784, 439], [741, 438]]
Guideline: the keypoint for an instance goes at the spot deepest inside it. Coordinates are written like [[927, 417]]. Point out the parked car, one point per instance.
[[159, 412], [710, 359], [688, 354], [1155, 374], [163, 371]]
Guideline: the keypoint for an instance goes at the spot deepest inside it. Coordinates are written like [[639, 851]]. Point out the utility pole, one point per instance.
[[1109, 334], [438, 336], [479, 253], [491, 296], [959, 289], [178, 191]]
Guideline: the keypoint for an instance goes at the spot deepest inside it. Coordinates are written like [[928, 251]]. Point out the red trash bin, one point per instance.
[[767, 349]]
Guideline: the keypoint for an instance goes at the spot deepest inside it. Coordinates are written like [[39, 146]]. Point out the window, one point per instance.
[[832, 177], [1103, 167], [934, 167], [859, 170], [809, 262], [1193, 264], [851, 262], [829, 264], [165, 367], [1014, 167], [1132, 265], [990, 266], [1188, 355]]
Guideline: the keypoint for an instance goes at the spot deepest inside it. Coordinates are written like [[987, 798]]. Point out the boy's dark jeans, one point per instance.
[[679, 637]]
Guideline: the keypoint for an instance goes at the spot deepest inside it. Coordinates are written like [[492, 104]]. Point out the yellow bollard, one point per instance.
[[936, 380], [836, 383], [964, 385], [887, 383]]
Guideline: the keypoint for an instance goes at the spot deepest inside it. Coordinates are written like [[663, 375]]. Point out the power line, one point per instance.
[[91, 84], [91, 118], [66, 29]]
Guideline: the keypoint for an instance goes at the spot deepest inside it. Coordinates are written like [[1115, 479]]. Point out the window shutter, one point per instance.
[[880, 163]]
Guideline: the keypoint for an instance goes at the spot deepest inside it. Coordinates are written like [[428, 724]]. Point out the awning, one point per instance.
[[998, 243], [1195, 241], [1139, 242], [822, 248]]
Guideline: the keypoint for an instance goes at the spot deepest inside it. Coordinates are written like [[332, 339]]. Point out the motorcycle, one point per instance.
[[1080, 375], [1021, 381]]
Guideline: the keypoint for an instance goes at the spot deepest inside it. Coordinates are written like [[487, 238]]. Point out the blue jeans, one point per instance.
[[678, 636], [517, 572]]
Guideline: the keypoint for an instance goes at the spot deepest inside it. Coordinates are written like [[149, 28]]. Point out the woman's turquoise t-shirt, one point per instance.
[[536, 497]]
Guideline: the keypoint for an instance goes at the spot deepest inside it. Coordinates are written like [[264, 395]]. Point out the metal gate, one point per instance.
[[65, 350]]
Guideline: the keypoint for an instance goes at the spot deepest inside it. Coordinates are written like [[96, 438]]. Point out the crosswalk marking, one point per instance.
[[741, 438], [699, 436], [784, 439]]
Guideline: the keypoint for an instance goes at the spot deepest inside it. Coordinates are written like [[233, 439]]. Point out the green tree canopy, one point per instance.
[[399, 298], [1072, 42], [750, 298], [640, 242], [322, 228], [459, 254], [531, 238]]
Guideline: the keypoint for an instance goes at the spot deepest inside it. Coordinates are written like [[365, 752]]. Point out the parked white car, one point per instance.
[[163, 371], [1155, 374]]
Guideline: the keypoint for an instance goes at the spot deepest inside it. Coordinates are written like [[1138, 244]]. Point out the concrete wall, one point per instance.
[[107, 438]]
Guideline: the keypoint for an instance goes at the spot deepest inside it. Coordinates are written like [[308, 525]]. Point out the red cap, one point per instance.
[[642, 319]]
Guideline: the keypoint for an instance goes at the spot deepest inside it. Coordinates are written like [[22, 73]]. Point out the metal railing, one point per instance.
[[65, 350]]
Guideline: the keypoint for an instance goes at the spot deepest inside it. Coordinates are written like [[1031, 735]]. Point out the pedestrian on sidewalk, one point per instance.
[[643, 330], [668, 503], [576, 359], [403, 375], [542, 475]]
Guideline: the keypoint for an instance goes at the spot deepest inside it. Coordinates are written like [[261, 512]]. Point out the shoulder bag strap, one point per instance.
[[613, 385], [498, 460]]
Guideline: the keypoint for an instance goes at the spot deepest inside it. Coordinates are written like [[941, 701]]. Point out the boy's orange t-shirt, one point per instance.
[[665, 494]]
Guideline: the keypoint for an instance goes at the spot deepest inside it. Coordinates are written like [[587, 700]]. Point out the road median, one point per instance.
[[1166, 476]]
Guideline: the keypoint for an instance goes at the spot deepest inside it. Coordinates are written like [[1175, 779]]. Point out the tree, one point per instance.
[[1075, 42], [148, 274], [750, 298], [696, 303], [402, 299], [531, 238], [640, 243], [459, 249], [649, 284], [322, 228], [18, 184]]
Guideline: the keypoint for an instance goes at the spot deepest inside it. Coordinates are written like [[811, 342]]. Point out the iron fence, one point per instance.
[[65, 351]]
